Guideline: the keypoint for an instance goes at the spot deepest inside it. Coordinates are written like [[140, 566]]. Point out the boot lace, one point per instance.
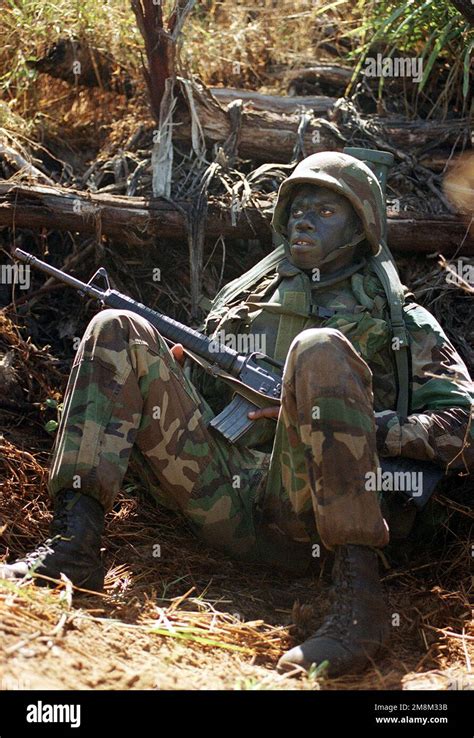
[[340, 617], [58, 527], [59, 524], [35, 557]]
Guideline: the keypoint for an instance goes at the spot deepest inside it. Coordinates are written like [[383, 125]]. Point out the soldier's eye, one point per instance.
[[326, 212], [296, 212]]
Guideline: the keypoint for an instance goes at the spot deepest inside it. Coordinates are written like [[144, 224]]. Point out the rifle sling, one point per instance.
[[388, 275], [258, 398]]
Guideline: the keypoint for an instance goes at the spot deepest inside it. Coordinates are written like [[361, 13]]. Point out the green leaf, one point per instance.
[[329, 7], [187, 635], [410, 17], [384, 26], [379, 32], [51, 403], [425, 51], [51, 426], [436, 49], [317, 671]]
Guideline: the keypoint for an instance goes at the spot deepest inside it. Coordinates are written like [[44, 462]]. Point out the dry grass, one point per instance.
[[451, 305], [241, 45]]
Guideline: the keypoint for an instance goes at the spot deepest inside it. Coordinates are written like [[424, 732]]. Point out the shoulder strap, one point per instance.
[[246, 280], [387, 273]]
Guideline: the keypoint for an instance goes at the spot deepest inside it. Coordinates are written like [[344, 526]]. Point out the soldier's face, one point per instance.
[[320, 221]]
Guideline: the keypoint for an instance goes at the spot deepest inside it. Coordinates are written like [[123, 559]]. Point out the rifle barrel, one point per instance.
[[176, 332], [244, 367], [58, 274]]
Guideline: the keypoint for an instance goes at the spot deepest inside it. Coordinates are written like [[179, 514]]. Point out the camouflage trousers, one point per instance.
[[129, 402]]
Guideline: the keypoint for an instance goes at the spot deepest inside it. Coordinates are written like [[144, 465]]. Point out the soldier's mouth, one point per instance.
[[301, 244]]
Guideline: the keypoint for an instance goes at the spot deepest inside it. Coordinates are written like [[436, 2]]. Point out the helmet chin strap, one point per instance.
[[353, 242], [334, 253]]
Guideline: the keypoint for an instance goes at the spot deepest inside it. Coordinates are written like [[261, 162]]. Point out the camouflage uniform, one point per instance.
[[301, 481]]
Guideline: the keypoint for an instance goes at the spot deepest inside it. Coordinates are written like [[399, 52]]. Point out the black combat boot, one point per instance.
[[74, 546], [358, 623]]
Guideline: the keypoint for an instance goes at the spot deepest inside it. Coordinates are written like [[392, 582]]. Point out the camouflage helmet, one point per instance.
[[346, 175]]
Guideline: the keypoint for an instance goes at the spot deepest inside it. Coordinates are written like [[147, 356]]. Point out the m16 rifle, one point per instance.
[[254, 386]]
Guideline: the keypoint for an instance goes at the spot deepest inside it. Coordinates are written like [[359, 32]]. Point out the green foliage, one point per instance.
[[433, 30], [192, 634], [251, 684], [319, 671], [52, 425]]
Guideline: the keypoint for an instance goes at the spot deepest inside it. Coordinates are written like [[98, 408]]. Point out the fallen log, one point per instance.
[[78, 63], [321, 76], [140, 221], [407, 134], [265, 135], [274, 103]]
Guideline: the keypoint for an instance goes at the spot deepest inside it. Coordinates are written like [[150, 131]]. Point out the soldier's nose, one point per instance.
[[305, 224]]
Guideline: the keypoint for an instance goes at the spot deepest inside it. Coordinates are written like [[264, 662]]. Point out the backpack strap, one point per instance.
[[387, 273], [234, 288]]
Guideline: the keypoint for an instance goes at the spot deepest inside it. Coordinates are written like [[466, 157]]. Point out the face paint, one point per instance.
[[320, 223]]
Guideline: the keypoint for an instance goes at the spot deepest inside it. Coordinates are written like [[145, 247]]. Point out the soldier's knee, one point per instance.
[[318, 339], [111, 320], [106, 318], [114, 328]]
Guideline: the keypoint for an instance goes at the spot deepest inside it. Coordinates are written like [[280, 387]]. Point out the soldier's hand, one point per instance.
[[178, 353], [265, 412]]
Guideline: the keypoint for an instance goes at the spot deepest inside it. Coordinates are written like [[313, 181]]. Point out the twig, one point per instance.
[[21, 164]]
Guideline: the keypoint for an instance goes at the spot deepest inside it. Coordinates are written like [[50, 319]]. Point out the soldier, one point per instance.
[[298, 479]]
